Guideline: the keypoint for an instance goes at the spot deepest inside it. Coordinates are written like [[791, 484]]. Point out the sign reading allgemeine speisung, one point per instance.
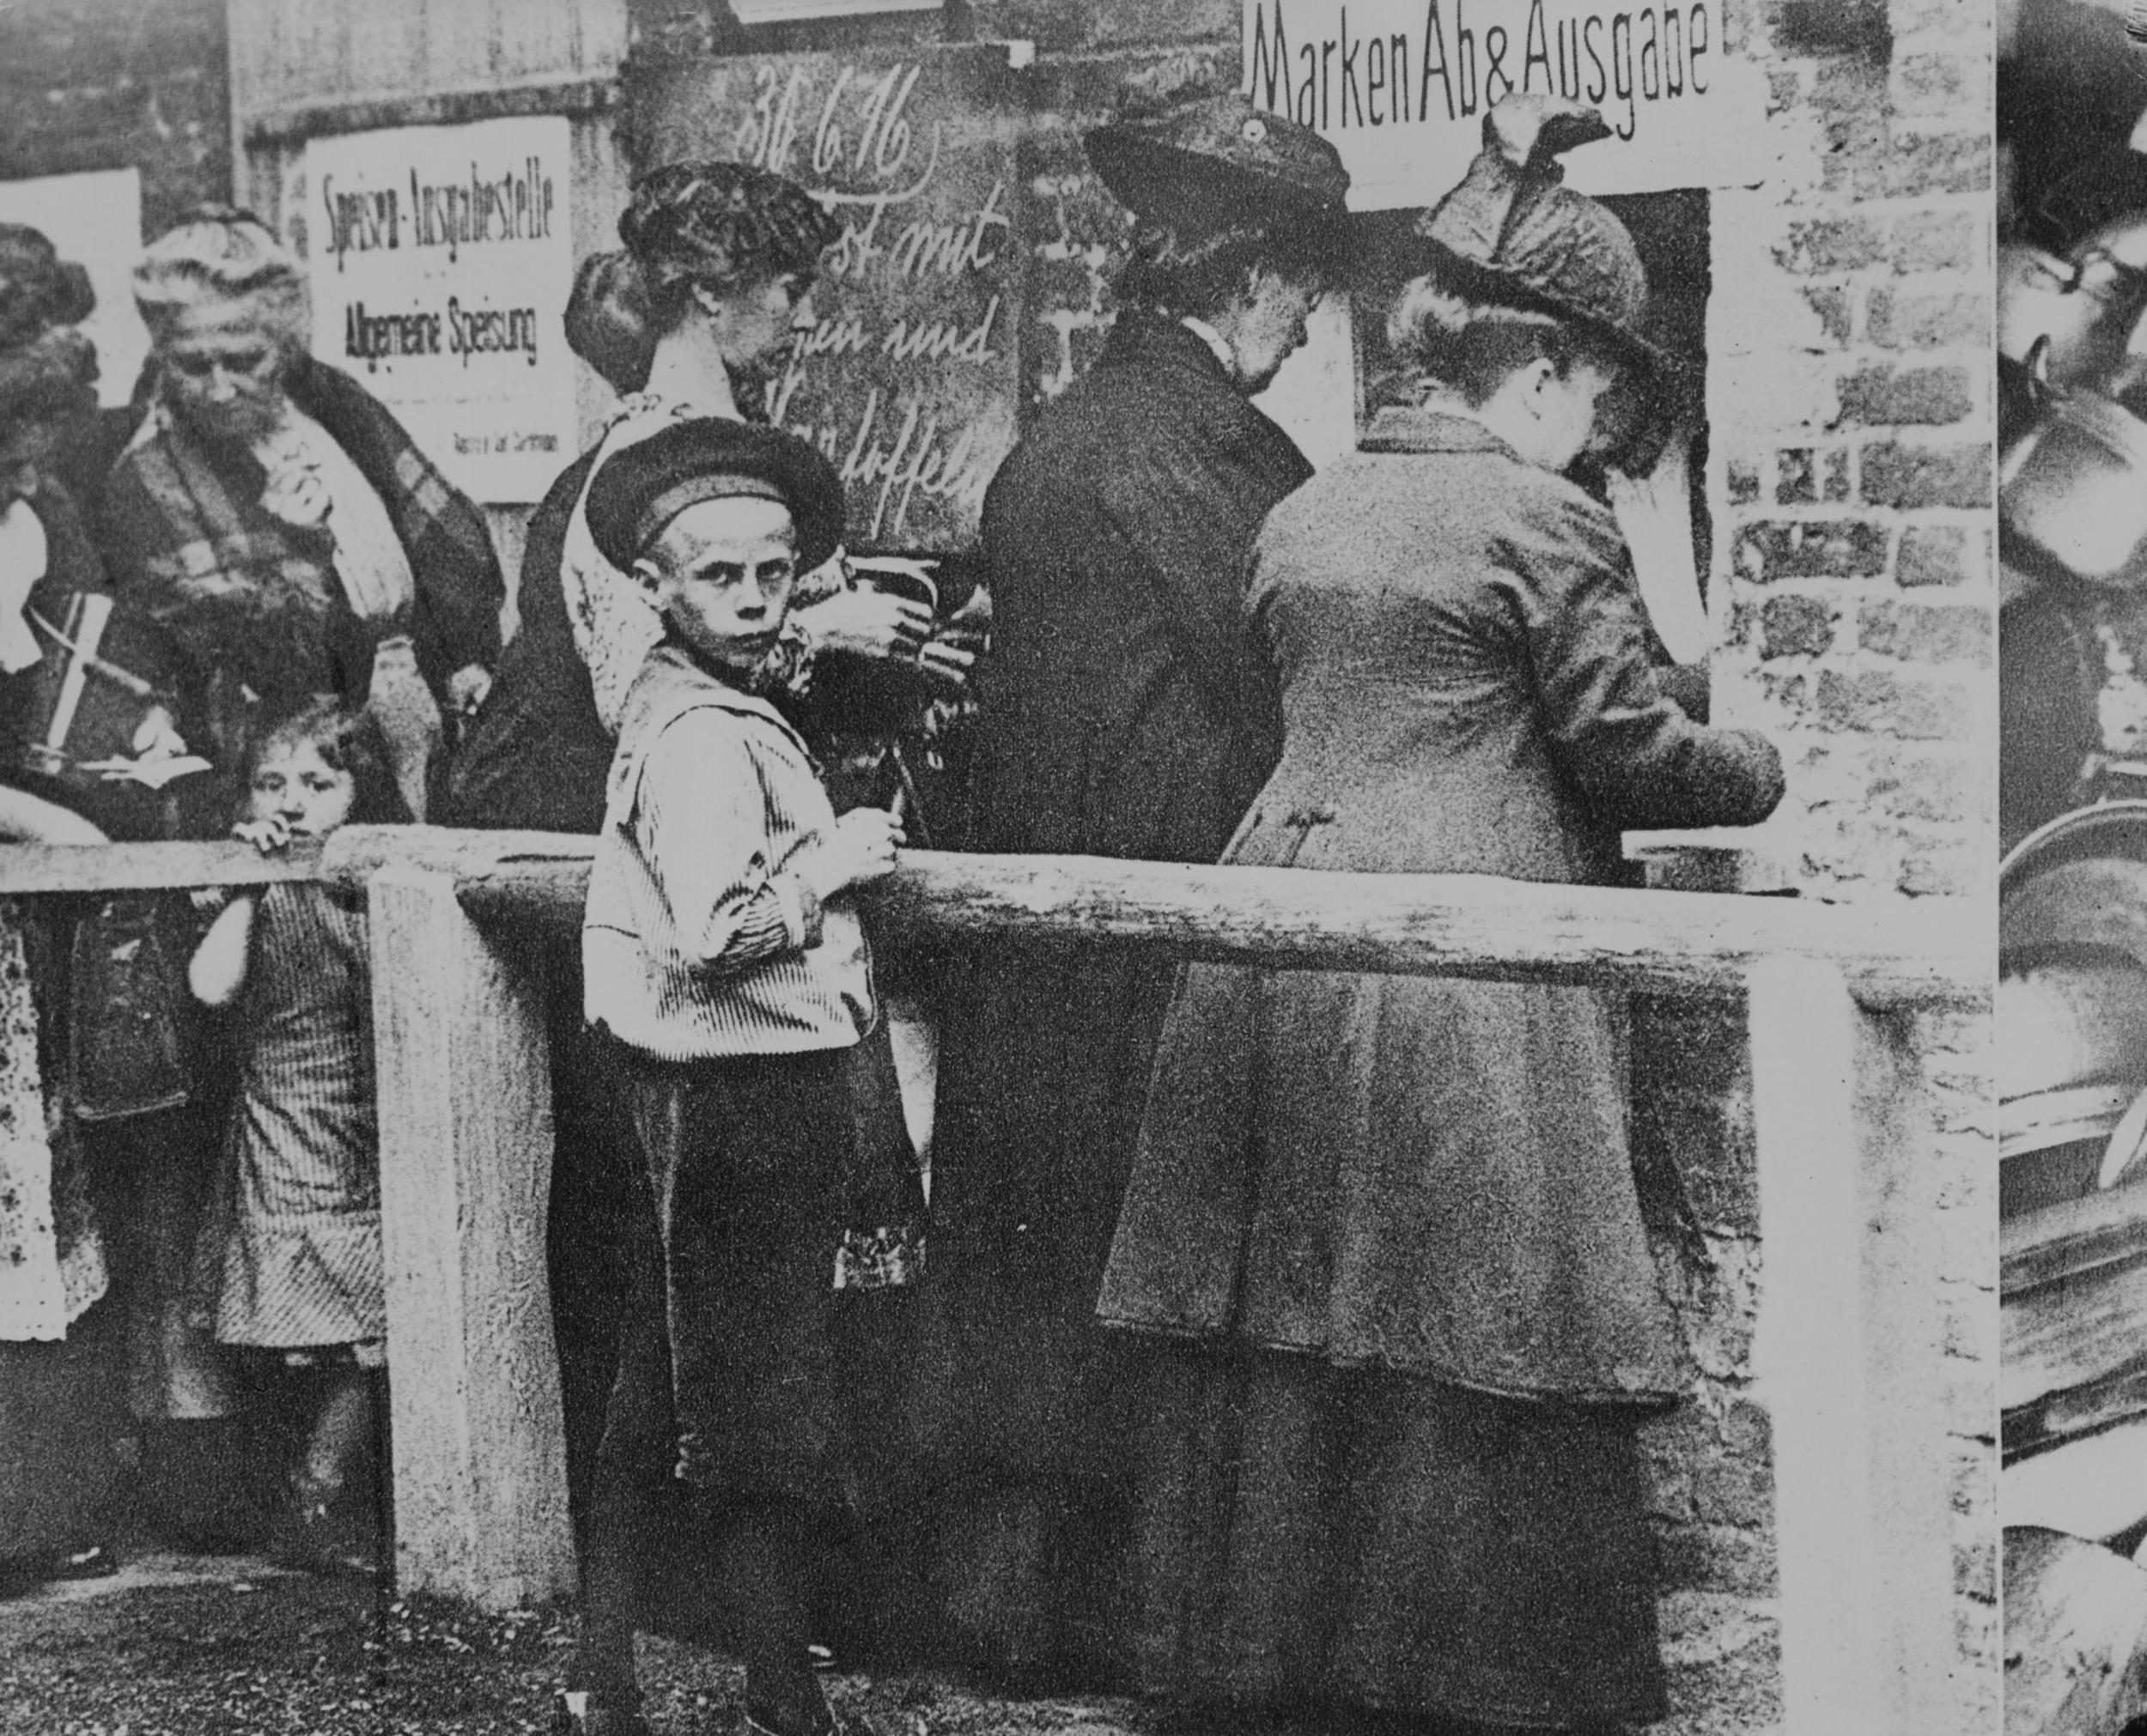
[[1401, 87], [440, 261]]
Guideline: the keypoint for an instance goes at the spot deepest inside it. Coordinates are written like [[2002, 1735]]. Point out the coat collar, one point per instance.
[[1398, 428], [682, 669], [1142, 339]]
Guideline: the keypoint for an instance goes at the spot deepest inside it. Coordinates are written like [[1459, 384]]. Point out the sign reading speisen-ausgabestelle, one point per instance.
[[1400, 88], [440, 261]]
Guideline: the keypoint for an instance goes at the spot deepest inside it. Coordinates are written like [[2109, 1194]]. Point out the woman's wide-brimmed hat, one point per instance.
[[642, 488], [1513, 231], [1203, 159]]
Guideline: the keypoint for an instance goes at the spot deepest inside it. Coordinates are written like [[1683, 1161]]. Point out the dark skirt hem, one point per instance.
[[1649, 1401]]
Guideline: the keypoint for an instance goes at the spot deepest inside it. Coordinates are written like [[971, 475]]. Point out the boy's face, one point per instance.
[[720, 574]]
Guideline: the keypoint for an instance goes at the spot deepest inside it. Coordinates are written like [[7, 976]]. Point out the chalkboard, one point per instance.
[[911, 382]]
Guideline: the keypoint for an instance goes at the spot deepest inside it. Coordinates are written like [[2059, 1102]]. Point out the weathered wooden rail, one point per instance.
[[1850, 1356]]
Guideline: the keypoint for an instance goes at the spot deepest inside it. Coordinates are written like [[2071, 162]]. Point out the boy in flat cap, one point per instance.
[[721, 957]]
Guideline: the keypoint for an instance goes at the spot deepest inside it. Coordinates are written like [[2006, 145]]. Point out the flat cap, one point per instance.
[[640, 489]]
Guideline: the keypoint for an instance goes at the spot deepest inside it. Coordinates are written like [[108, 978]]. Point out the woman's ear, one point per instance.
[[1536, 379], [649, 577]]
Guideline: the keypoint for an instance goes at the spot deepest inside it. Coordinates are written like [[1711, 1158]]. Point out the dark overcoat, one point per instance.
[[1125, 713]]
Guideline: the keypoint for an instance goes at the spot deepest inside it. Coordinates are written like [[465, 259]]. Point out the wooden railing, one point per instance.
[[1850, 1358]]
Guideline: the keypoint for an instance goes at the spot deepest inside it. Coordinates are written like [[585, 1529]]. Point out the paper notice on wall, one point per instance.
[[1400, 88], [95, 221], [441, 260]]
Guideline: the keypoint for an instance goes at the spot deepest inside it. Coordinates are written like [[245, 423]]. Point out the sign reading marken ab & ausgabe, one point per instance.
[[1400, 88], [440, 261]]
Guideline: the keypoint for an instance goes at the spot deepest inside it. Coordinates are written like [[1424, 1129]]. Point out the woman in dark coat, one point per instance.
[[1126, 713], [1398, 1212]]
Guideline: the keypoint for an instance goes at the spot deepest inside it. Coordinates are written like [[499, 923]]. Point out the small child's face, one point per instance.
[[296, 785], [720, 574]]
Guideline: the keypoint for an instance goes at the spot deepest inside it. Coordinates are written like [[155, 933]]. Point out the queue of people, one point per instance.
[[1269, 1340]]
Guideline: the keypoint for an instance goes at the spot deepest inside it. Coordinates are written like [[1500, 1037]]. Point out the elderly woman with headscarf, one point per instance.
[[280, 523], [1124, 713], [1397, 1215]]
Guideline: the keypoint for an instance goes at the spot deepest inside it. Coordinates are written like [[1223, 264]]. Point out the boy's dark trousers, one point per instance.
[[746, 1157]]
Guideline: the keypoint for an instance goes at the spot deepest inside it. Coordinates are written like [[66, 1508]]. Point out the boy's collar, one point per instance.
[[737, 694]]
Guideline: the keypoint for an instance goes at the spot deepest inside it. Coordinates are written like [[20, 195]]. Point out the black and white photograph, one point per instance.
[[1072, 867], [2071, 116]]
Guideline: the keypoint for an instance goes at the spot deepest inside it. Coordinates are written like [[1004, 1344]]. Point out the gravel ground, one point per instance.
[[179, 1646]]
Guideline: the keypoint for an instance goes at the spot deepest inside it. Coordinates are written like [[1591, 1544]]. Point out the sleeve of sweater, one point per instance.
[[1641, 760], [700, 821]]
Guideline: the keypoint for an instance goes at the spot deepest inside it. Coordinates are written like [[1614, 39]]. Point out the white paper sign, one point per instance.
[[440, 261], [1400, 88], [94, 219]]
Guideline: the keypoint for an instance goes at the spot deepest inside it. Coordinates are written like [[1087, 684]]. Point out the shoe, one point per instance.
[[578, 1713], [313, 1539], [21, 1574], [760, 1720]]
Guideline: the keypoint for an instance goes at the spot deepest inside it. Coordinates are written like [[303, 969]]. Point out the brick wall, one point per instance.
[[1849, 397], [87, 84], [1849, 401]]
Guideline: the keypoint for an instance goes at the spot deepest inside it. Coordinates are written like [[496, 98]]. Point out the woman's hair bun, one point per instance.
[[714, 225], [38, 289], [609, 324]]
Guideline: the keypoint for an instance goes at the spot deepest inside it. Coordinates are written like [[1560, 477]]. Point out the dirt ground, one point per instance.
[[179, 1646], [186, 1646]]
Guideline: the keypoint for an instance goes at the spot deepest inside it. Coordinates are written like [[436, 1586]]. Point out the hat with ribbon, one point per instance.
[[642, 488], [1513, 231], [1195, 157]]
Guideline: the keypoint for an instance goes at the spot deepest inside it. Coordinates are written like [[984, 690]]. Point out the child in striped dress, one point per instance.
[[290, 1258]]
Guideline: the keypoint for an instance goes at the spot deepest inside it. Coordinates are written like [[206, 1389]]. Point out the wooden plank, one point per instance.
[[1848, 1363], [2076, 1235], [466, 1149], [2065, 1334], [293, 123], [2095, 1488], [29, 868], [1452, 925], [2073, 1412]]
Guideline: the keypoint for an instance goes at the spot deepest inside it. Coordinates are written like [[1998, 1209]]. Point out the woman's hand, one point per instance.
[[861, 849], [268, 836], [467, 687], [869, 623], [948, 661]]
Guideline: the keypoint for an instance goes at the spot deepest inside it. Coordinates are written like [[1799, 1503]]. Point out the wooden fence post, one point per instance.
[[1851, 1362], [466, 1159]]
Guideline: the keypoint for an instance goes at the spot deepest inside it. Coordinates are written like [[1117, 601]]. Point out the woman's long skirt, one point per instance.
[[1354, 1539]]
